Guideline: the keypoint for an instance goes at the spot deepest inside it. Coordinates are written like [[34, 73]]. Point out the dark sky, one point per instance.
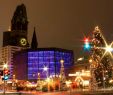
[[62, 23]]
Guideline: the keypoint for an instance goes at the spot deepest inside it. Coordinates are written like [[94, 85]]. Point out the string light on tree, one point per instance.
[[97, 28], [101, 54]]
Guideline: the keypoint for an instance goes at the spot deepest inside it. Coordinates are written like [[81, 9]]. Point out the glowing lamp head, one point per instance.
[[5, 66]]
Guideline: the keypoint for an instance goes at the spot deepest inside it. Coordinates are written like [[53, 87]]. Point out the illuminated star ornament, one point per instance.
[[101, 61], [107, 48]]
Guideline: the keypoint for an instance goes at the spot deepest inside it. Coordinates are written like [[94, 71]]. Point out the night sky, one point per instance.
[[62, 23]]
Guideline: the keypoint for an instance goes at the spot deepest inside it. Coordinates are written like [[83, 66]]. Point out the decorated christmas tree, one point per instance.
[[101, 60]]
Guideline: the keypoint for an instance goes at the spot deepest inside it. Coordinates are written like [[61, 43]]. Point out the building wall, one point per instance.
[[50, 58], [6, 38], [20, 65], [27, 64], [37, 60], [68, 61], [7, 53]]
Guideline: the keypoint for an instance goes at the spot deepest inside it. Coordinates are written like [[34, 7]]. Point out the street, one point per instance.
[[39, 93], [68, 93], [59, 93]]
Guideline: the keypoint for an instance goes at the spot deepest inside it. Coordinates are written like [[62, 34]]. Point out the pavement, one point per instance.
[[70, 92]]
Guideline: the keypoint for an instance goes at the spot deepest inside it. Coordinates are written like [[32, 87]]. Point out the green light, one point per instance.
[[6, 77], [87, 46]]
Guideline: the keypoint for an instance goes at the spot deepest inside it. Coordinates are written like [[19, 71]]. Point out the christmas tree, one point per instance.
[[102, 66]]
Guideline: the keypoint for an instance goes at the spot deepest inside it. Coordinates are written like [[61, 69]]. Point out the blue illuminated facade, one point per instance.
[[48, 58]]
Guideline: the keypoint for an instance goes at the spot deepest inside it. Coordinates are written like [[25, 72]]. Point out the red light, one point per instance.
[[5, 71], [86, 40], [6, 74]]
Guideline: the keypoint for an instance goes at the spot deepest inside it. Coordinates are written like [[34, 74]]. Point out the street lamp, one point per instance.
[[5, 66]]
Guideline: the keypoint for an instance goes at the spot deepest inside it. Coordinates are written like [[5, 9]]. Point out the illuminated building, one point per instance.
[[7, 53], [50, 58], [33, 62]]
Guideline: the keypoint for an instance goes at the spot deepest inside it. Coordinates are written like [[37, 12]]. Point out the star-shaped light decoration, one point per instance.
[[107, 48], [45, 68]]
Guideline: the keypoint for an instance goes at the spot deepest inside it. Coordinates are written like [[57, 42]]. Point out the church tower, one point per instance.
[[19, 21], [15, 40], [19, 29]]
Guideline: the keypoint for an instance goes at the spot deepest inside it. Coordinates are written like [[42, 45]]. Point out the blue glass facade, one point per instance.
[[38, 60]]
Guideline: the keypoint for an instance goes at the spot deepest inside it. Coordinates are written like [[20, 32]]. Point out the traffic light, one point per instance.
[[87, 45], [6, 74]]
